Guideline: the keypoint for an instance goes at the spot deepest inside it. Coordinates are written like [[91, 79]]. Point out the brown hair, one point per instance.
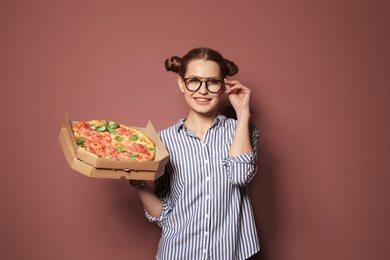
[[179, 65]]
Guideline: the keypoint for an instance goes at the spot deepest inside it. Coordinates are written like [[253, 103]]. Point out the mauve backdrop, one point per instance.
[[319, 74]]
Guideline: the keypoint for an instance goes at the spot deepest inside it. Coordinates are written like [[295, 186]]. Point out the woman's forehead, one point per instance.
[[203, 69]]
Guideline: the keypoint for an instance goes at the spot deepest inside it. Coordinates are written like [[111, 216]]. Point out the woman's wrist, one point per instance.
[[243, 114]]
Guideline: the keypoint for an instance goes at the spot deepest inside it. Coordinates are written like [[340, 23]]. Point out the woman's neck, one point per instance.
[[199, 123]]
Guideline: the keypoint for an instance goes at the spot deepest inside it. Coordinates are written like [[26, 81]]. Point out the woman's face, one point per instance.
[[201, 101]]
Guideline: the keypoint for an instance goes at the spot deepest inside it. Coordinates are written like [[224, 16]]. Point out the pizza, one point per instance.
[[112, 140]]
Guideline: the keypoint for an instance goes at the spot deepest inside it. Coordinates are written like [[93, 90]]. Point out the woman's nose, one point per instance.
[[203, 88]]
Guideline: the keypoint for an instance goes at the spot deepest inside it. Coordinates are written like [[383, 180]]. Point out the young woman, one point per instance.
[[202, 202]]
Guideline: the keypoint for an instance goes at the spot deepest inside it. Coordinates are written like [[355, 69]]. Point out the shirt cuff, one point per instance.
[[243, 158], [240, 169], [166, 208]]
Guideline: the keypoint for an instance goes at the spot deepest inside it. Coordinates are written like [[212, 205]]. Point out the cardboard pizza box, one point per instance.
[[92, 166]]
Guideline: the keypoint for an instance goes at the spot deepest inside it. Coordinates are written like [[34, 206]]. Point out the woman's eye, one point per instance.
[[193, 81], [213, 81]]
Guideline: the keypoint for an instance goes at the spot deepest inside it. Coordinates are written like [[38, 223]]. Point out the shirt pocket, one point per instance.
[[218, 154]]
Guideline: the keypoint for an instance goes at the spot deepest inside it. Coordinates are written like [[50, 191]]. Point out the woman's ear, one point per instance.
[[180, 82]]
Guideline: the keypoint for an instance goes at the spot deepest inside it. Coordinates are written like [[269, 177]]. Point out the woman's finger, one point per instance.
[[231, 82]]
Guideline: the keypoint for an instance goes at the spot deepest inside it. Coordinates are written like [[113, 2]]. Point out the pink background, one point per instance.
[[319, 74]]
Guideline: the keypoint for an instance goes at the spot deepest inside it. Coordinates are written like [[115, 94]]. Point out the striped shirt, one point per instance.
[[207, 212]]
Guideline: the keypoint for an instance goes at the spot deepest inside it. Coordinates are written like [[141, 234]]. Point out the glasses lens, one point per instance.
[[214, 85], [193, 84]]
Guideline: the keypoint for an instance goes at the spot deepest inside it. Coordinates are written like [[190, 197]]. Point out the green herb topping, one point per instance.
[[134, 137], [80, 141], [106, 127], [119, 138], [120, 149], [132, 156], [150, 149]]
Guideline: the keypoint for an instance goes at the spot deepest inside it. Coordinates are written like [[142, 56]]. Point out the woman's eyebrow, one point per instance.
[[194, 76]]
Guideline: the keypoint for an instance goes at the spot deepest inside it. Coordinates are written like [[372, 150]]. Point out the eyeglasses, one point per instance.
[[212, 85]]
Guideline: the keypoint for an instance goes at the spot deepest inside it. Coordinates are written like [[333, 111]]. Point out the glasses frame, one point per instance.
[[207, 82]]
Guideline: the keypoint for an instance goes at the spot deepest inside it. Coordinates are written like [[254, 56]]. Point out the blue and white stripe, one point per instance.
[[207, 213]]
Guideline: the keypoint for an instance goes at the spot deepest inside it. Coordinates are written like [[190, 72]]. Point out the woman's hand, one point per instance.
[[239, 96]]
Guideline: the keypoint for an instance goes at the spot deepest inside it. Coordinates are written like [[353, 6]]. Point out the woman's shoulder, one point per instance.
[[172, 129]]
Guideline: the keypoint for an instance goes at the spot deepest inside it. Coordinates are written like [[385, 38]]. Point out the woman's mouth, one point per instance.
[[202, 100]]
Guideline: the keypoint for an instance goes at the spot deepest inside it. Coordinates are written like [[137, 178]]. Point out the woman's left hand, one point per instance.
[[238, 94]]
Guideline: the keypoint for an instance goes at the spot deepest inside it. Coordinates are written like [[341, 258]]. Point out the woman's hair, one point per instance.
[[179, 65]]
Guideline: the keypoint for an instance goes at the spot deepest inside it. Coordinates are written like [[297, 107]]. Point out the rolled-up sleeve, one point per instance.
[[162, 190], [166, 208], [241, 169]]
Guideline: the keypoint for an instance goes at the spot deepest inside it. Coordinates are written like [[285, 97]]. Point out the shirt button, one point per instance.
[[207, 216], [207, 178], [207, 197], [206, 234], [206, 161]]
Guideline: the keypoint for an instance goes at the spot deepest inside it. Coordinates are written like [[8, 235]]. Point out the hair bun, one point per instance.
[[173, 64], [231, 68]]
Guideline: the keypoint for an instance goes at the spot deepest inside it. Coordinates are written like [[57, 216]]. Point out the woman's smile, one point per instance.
[[202, 100]]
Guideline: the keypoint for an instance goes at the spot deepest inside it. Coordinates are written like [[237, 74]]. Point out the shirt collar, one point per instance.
[[219, 121]]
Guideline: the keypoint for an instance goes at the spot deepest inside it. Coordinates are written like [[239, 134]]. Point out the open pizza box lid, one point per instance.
[[92, 166]]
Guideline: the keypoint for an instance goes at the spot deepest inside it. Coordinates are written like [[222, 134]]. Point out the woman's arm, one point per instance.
[[150, 201], [239, 97]]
